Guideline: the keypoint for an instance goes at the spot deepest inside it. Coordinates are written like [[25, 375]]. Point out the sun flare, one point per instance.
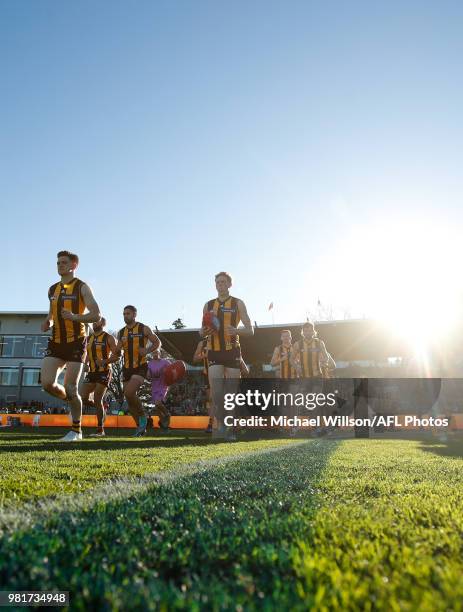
[[402, 273]]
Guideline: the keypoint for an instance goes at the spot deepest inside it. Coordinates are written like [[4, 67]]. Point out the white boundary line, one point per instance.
[[29, 514]]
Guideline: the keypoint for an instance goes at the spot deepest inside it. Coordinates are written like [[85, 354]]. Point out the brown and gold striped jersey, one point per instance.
[[286, 369], [133, 339], [228, 314], [309, 354], [66, 295], [98, 348]]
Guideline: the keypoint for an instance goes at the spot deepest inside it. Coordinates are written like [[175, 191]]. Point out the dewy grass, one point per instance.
[[353, 525]]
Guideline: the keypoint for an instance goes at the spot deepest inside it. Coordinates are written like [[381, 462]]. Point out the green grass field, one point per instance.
[[35, 465], [183, 522]]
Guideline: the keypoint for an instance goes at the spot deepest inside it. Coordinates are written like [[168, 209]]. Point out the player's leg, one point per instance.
[[71, 386], [86, 390], [233, 376], [216, 382], [210, 410], [319, 411], [164, 415], [98, 397], [232, 373], [51, 369], [135, 406], [296, 387]]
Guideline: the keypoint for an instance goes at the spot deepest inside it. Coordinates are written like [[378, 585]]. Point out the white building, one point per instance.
[[22, 345]]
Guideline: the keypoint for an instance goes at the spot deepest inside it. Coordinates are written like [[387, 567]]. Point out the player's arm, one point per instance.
[[276, 360], [46, 325], [198, 356], [324, 355], [248, 329], [92, 316], [87, 364], [205, 331], [243, 367], [327, 363], [155, 342], [329, 367], [112, 344], [115, 353]]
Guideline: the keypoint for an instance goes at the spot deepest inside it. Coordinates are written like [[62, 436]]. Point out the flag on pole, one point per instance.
[[270, 306]]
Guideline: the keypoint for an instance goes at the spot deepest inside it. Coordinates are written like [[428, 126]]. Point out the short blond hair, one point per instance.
[[227, 276]]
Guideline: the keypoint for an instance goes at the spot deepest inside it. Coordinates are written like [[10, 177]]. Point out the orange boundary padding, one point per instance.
[[176, 422], [89, 420]]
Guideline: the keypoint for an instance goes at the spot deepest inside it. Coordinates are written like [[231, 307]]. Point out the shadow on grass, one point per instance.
[[250, 509], [452, 447], [174, 439]]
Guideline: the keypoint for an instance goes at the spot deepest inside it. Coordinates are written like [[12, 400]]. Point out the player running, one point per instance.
[[281, 358], [100, 347], [309, 355], [221, 317], [310, 359], [69, 298], [159, 387], [284, 369], [132, 340]]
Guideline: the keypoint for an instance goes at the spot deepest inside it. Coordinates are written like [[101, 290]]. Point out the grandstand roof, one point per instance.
[[41, 313], [349, 340]]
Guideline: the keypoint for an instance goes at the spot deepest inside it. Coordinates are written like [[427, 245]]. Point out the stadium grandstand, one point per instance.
[[360, 347]]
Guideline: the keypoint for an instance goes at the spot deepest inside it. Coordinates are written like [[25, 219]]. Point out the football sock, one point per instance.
[[76, 426]]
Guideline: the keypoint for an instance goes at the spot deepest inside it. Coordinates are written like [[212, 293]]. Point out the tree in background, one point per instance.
[[178, 324], [115, 389]]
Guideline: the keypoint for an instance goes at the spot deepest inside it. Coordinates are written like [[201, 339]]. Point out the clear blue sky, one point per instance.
[[165, 141]]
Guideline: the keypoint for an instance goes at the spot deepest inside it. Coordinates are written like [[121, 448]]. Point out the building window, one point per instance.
[[35, 346], [12, 346], [9, 377], [28, 347], [31, 377]]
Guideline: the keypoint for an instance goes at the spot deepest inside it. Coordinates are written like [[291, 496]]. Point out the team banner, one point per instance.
[[329, 406]]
